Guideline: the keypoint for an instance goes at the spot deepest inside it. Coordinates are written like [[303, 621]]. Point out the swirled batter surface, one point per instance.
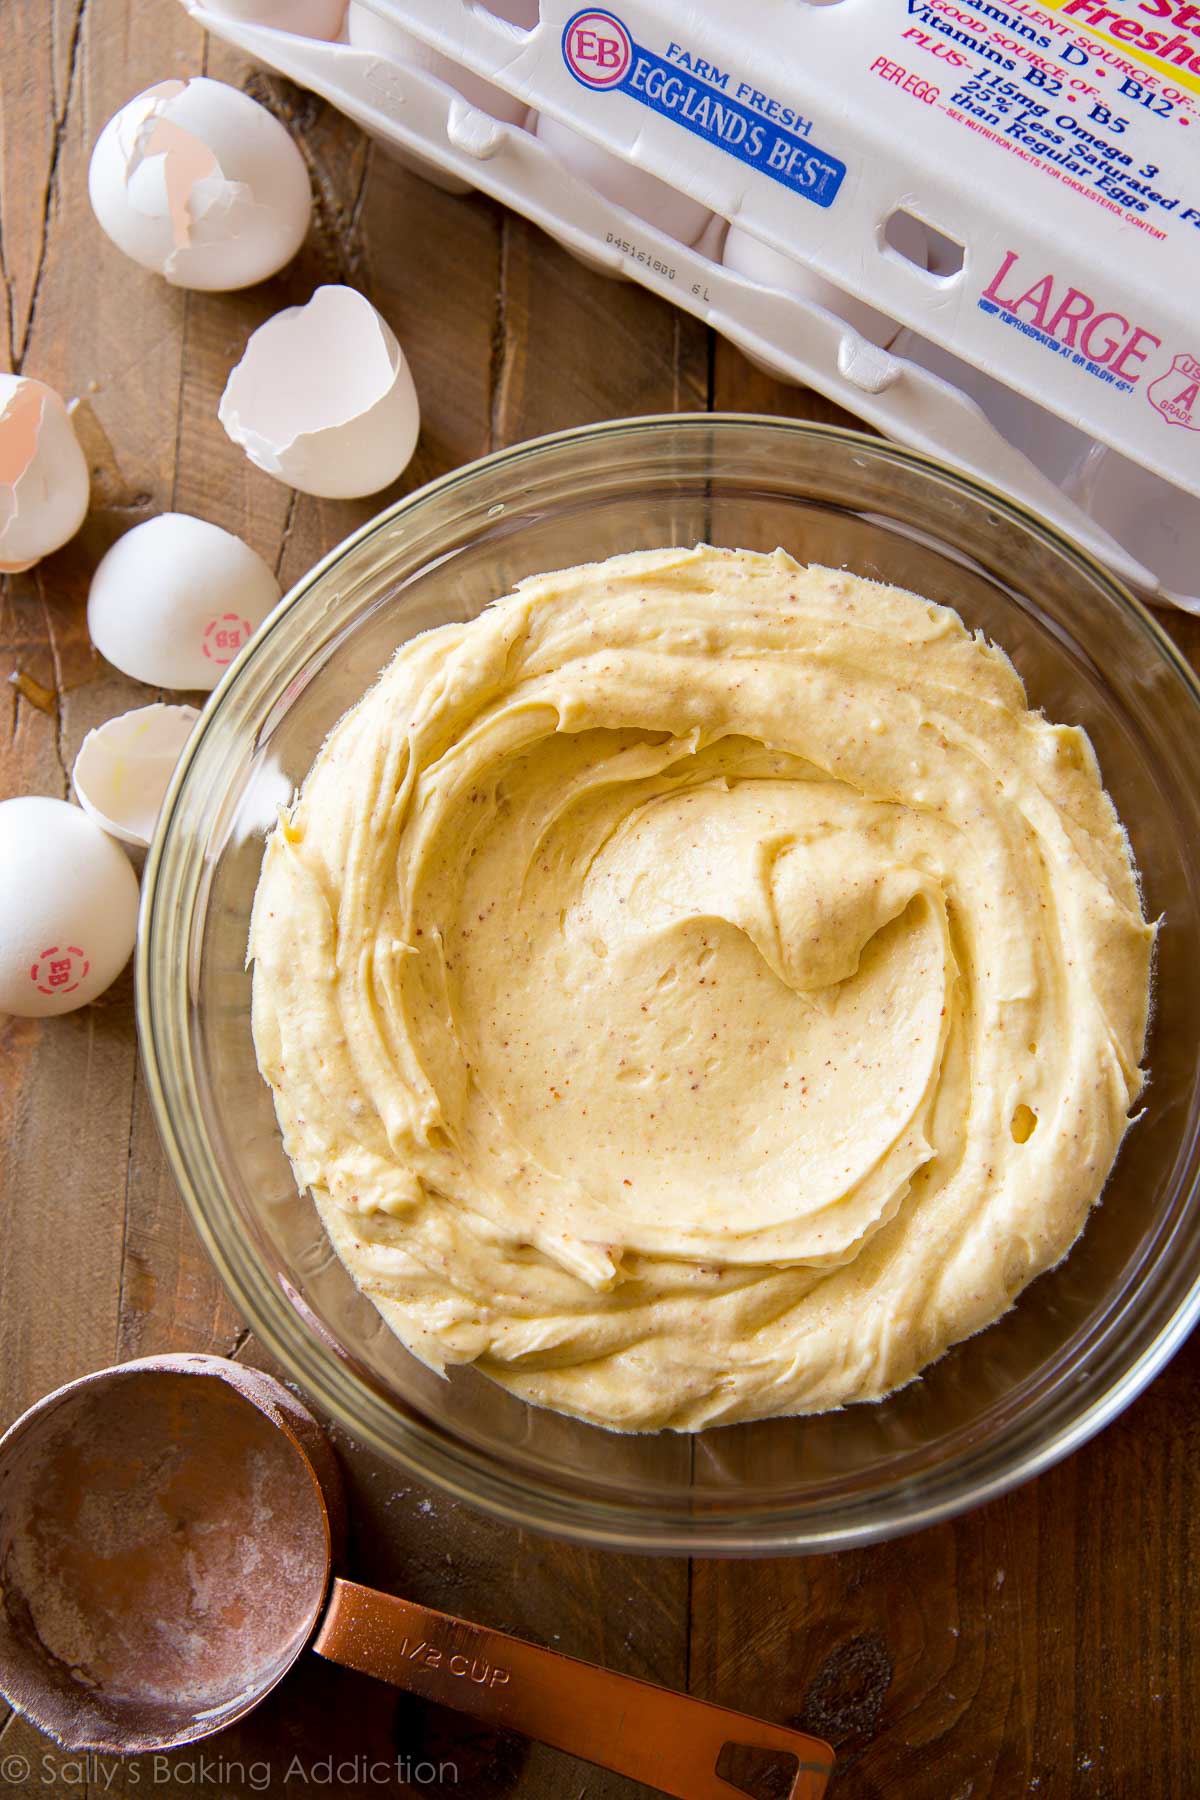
[[700, 988]]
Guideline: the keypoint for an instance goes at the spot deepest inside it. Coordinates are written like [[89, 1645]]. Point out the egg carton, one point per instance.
[[973, 223]]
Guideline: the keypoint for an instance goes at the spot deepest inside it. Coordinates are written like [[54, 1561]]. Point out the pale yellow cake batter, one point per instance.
[[699, 988]]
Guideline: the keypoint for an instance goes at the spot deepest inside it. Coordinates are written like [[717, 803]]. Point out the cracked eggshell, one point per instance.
[[68, 908], [175, 599], [637, 190], [43, 473], [323, 398], [125, 766], [367, 31], [749, 256], [198, 182]]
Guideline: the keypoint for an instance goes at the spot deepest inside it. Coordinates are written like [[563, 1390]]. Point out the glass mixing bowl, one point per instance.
[[1081, 1341]]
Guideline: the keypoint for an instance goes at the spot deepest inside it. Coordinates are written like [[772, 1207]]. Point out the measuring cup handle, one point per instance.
[[667, 1740]]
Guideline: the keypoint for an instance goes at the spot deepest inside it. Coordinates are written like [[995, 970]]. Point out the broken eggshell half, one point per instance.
[[323, 398], [43, 473], [125, 766], [198, 182]]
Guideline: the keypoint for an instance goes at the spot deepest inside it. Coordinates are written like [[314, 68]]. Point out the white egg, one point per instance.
[[367, 31], [198, 182], [68, 908], [175, 599], [1056, 447], [305, 18], [676, 214], [1152, 518], [124, 768], [749, 256], [323, 398], [43, 473]]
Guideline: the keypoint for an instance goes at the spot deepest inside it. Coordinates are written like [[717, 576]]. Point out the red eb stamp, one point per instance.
[[597, 48], [59, 970], [1176, 395], [224, 637]]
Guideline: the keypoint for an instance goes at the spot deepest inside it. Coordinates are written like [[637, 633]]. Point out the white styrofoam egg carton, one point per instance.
[[875, 263]]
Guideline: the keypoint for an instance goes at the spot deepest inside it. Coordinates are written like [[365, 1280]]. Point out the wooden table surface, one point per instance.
[[1043, 1645]]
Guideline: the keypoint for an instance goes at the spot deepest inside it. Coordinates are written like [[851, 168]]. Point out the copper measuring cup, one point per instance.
[[167, 1534]]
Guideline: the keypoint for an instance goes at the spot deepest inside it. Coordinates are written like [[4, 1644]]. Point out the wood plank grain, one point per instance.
[[42, 47], [576, 346]]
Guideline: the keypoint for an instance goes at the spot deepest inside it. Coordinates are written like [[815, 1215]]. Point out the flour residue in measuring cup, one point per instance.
[[171, 1555]]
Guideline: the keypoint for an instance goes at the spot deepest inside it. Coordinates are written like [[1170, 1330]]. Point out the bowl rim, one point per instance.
[[458, 1468]]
